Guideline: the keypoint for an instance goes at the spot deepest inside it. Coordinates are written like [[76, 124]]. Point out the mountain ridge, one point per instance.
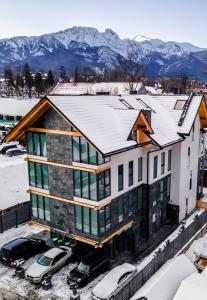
[[91, 48]]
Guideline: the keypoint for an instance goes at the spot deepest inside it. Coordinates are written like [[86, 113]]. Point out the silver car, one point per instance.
[[105, 289], [48, 263]]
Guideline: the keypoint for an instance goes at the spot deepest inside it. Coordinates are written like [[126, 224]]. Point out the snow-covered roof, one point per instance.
[[193, 287], [110, 282], [107, 121], [81, 88], [164, 283], [14, 107]]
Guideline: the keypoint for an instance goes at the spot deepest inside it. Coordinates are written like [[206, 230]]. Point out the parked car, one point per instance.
[[21, 248], [88, 268], [6, 146], [48, 263], [112, 281], [15, 152]]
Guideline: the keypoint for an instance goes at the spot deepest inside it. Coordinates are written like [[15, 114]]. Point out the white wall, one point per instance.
[[182, 168]]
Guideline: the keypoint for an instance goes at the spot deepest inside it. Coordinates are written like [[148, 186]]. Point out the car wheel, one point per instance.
[[44, 276]]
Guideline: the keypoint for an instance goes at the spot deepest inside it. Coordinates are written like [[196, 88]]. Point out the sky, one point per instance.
[[177, 20]]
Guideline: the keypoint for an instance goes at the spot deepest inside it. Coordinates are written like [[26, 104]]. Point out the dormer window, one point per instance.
[[180, 104]]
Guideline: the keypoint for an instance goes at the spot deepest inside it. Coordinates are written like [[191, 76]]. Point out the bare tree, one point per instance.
[[131, 69]]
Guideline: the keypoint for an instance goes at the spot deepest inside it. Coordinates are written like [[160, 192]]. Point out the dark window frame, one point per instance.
[[120, 177], [155, 166], [131, 173], [169, 160], [162, 163], [140, 169]]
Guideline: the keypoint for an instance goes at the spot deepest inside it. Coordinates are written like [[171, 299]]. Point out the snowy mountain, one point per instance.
[[86, 47]]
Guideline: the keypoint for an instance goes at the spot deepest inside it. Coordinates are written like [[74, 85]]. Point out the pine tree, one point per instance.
[[8, 75], [50, 79], [76, 75], [38, 83], [28, 79]]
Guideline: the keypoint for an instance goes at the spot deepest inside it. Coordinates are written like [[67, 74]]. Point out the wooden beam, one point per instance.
[[84, 240], [115, 233], [54, 131], [201, 204], [49, 163], [74, 202]]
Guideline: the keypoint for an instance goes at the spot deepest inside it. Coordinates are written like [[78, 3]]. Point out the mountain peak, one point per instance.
[[141, 38]]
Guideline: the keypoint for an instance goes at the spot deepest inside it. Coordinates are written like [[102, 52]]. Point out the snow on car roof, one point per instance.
[[109, 283], [53, 252]]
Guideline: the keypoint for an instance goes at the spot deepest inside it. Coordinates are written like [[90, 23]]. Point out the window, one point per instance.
[[188, 156], [139, 198], [92, 186], [120, 177], [140, 168], [193, 132], [162, 163], [84, 153], [131, 173], [36, 144], [121, 208], [38, 175], [153, 218], [40, 207], [169, 159], [190, 185], [168, 186], [87, 220], [130, 203], [180, 104], [155, 167]]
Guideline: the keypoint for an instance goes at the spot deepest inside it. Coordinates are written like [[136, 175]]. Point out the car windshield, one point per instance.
[[44, 260], [83, 268]]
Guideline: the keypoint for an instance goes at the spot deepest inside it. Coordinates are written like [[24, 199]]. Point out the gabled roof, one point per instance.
[[106, 121]]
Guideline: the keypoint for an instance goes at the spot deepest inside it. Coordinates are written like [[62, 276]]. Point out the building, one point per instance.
[[97, 88], [12, 111], [111, 171]]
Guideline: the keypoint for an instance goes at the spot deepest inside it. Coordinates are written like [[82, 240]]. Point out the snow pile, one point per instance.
[[13, 181], [198, 247], [192, 288], [165, 282]]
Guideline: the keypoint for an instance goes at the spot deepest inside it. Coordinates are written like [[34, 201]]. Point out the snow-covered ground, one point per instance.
[[13, 181]]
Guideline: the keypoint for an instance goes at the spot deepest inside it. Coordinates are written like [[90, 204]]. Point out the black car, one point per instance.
[[7, 147], [21, 248], [88, 268]]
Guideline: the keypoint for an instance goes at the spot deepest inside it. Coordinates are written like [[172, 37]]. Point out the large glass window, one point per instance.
[[34, 205], [131, 165], [162, 163], [36, 144], [40, 207], [169, 159], [83, 152], [78, 217], [155, 167], [38, 175], [130, 203], [121, 208], [92, 186], [139, 198], [87, 220], [120, 177], [140, 168]]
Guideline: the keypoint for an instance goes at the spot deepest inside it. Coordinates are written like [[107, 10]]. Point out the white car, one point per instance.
[[112, 281], [48, 263]]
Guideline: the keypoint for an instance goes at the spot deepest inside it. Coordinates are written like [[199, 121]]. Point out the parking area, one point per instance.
[[60, 288]]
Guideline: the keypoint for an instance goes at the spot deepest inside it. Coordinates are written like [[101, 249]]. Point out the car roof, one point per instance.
[[14, 243], [92, 257], [53, 252]]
